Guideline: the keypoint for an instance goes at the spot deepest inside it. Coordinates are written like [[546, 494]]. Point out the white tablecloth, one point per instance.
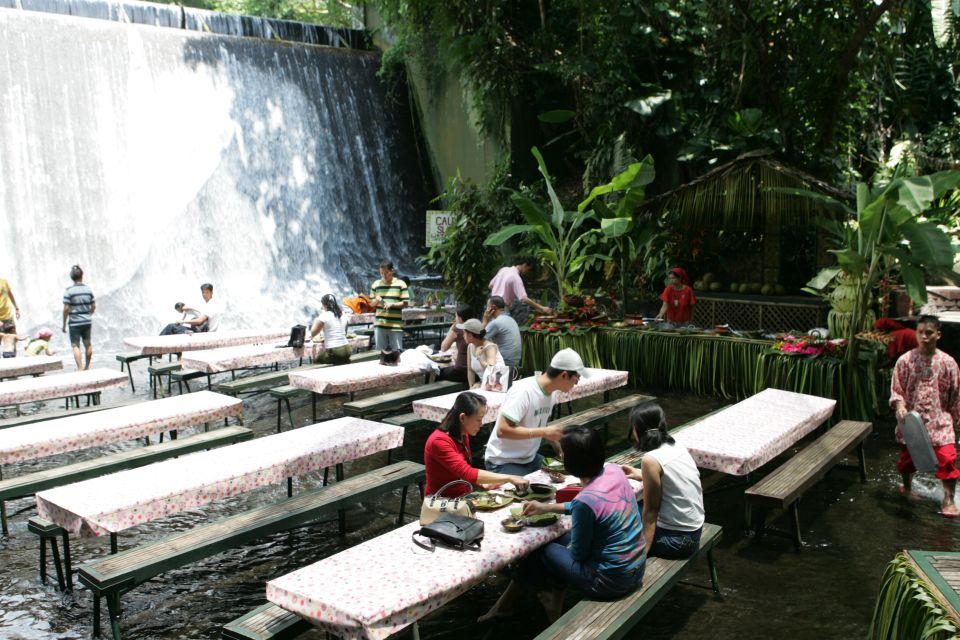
[[116, 502], [75, 383], [83, 431], [254, 355], [25, 366], [600, 380], [157, 345], [357, 376], [747, 435], [379, 587]]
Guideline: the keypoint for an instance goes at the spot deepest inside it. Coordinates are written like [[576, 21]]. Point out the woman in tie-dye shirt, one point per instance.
[[603, 554]]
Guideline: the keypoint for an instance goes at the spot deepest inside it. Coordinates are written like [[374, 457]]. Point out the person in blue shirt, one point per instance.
[[603, 555]]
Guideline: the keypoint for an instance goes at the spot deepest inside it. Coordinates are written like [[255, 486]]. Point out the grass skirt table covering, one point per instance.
[[600, 380], [919, 597], [743, 437], [116, 502], [255, 355], [28, 365], [74, 383], [380, 586], [73, 433], [721, 366], [178, 343], [357, 376]]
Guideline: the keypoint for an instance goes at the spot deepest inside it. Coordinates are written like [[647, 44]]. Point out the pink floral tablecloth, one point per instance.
[[358, 376], [747, 435], [25, 366], [381, 586], [254, 355], [157, 345], [600, 380], [410, 313], [75, 383], [73, 433], [116, 502]]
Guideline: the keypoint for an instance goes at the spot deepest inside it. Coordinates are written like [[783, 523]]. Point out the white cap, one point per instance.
[[569, 360]]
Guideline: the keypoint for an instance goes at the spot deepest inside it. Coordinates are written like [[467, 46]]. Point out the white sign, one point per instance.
[[437, 223]]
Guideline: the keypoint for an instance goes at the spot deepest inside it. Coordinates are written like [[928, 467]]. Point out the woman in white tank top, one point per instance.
[[672, 495]]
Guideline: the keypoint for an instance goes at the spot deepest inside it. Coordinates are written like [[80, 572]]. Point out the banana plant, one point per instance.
[[887, 235]]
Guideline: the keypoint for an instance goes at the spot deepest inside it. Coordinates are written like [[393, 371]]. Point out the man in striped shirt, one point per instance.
[[389, 295], [79, 306]]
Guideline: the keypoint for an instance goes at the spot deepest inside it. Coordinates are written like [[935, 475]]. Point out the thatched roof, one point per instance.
[[737, 193]]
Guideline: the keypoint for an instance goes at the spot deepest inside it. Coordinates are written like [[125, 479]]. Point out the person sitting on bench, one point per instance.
[[447, 452], [673, 513], [603, 555], [183, 324], [332, 324]]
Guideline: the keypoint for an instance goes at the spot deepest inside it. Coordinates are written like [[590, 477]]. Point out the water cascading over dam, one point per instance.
[[160, 158]]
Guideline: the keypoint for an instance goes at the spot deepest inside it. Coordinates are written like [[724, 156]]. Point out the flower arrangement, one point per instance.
[[812, 346], [562, 328]]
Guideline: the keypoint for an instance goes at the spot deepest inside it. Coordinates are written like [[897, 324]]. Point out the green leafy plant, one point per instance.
[[885, 236], [906, 608]]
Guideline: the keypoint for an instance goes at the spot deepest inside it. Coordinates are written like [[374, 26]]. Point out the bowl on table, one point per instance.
[[512, 524]]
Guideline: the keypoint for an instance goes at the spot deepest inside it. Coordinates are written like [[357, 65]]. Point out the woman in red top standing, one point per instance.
[[447, 452], [678, 299]]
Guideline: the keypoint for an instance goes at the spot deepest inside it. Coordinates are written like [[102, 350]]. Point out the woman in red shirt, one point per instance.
[[678, 299], [447, 452]]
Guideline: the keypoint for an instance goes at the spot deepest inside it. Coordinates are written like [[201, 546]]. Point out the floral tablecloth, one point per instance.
[[254, 355], [74, 383], [383, 585], [73, 433], [600, 380], [156, 345], [747, 435], [357, 376], [116, 502], [25, 366]]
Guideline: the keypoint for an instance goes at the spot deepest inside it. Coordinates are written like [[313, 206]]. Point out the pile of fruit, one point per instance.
[[710, 282]]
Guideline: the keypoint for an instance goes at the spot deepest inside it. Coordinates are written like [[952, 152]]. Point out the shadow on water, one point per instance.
[[851, 531]]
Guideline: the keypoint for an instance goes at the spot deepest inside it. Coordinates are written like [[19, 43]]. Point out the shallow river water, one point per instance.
[[828, 590]]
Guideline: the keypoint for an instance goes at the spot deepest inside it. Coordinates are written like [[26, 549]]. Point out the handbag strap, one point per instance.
[[431, 546], [450, 484]]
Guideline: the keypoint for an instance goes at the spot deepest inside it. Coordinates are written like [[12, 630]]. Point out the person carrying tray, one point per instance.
[[927, 380]]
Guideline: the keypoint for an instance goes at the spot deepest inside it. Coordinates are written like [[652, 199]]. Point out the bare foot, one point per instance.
[[493, 614], [949, 511]]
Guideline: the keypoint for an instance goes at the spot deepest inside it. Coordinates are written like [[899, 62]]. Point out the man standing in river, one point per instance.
[[927, 380], [79, 306]]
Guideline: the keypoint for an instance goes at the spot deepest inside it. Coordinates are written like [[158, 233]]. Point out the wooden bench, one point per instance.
[[183, 377], [408, 421], [283, 395], [604, 413], [609, 620], [400, 398], [260, 381], [784, 487], [418, 331], [266, 622], [126, 358], [157, 371], [111, 576], [29, 484]]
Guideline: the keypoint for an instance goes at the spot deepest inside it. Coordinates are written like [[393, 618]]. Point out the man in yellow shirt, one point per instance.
[[8, 308]]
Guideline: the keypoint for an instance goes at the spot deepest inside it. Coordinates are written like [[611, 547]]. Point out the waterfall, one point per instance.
[[159, 159]]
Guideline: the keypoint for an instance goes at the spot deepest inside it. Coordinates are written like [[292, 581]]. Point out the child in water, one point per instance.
[[40, 345], [8, 344]]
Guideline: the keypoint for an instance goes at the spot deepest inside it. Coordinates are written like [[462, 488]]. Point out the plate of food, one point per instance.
[[535, 491], [442, 357], [488, 500], [539, 520]]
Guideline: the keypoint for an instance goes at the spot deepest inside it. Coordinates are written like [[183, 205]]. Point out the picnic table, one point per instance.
[[599, 381], [743, 437], [343, 595], [348, 378], [117, 502], [73, 433], [409, 314], [179, 343], [253, 355], [75, 383], [29, 365]]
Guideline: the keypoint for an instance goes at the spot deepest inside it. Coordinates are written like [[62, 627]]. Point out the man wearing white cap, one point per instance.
[[522, 422]]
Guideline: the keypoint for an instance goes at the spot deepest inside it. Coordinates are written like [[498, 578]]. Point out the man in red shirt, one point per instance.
[[678, 298], [927, 380]]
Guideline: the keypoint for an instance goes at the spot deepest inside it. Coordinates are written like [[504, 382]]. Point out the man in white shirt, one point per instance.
[[209, 311], [522, 422]]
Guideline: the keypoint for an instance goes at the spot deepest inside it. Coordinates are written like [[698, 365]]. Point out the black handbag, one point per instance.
[[457, 532], [298, 333]]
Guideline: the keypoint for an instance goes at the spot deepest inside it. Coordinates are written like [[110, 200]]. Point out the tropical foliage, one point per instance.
[[906, 608]]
